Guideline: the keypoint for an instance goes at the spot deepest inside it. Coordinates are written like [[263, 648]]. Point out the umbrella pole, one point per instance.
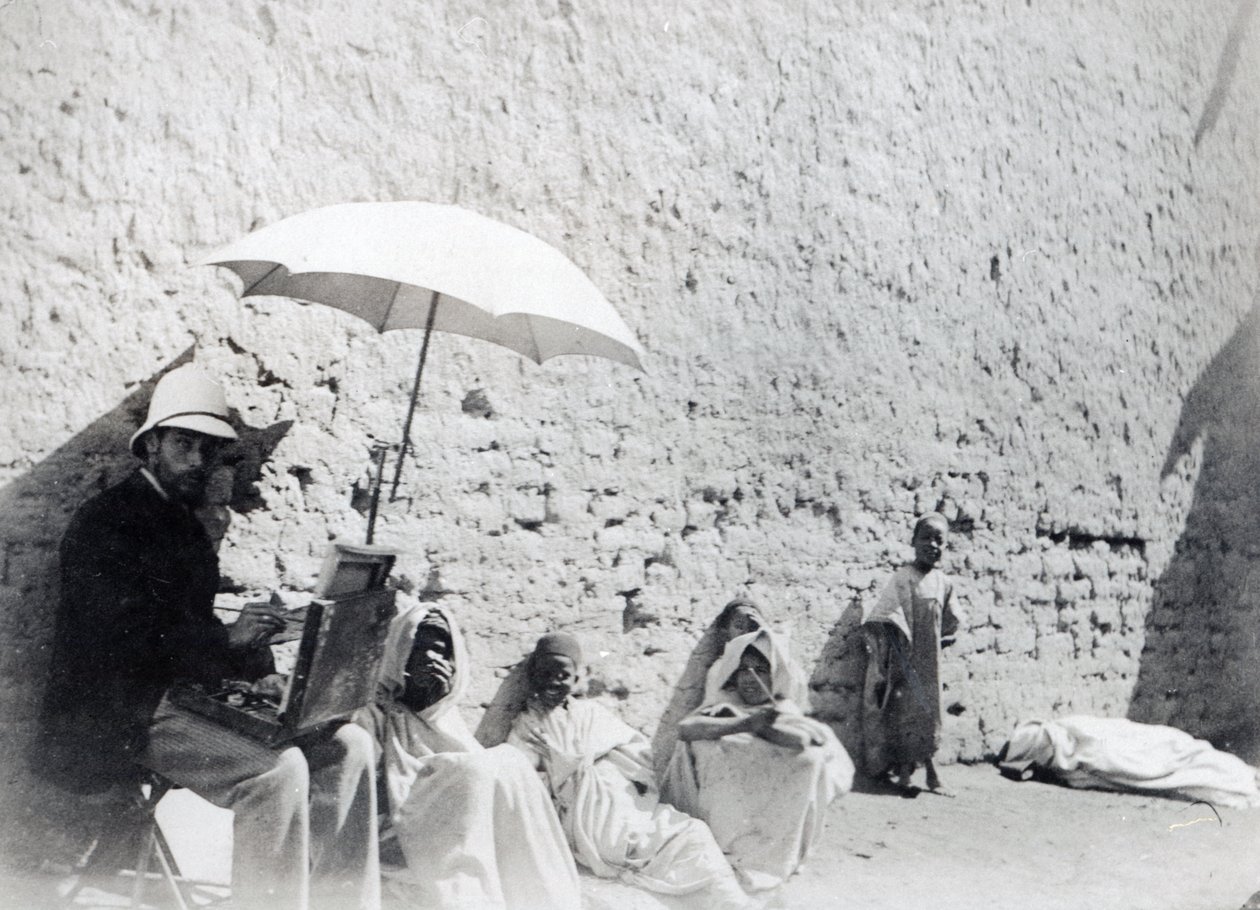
[[378, 476], [415, 394]]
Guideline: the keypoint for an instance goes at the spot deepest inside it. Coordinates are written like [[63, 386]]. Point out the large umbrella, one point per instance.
[[411, 265]]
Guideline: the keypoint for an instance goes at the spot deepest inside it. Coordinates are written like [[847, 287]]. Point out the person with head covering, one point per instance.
[[904, 631], [740, 615], [138, 581], [475, 826], [599, 773], [752, 765]]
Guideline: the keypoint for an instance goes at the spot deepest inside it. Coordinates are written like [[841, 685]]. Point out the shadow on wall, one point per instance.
[[836, 684], [687, 695], [1200, 667], [508, 701], [42, 823]]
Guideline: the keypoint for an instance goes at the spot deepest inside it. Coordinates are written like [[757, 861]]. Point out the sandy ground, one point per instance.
[[996, 844]]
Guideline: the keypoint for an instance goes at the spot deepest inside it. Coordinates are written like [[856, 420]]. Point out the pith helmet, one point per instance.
[[188, 398]]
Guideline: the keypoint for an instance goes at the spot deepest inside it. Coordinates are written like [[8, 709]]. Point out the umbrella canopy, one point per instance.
[[398, 264], [411, 265]]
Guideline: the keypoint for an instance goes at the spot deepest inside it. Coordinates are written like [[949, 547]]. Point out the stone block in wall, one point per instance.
[[597, 440], [1008, 613], [625, 537], [1105, 616], [1025, 565], [981, 561], [976, 602], [1056, 648], [668, 517], [485, 511], [659, 574], [1056, 563], [702, 514], [607, 506], [1102, 587], [1017, 639], [865, 579], [567, 507], [1037, 592], [628, 572], [527, 506], [979, 638], [1073, 591], [1089, 564]]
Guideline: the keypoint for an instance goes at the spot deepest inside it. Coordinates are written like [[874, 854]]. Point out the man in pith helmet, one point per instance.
[[138, 580]]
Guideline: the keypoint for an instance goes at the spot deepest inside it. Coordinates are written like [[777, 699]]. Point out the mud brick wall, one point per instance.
[[995, 258]]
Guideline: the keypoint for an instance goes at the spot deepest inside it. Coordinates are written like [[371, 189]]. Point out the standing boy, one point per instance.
[[904, 632]]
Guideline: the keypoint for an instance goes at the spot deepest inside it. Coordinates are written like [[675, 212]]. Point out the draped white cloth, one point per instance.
[[599, 772], [787, 681], [1118, 754], [475, 825], [765, 803]]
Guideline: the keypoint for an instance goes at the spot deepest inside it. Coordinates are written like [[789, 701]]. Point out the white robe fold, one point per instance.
[[476, 827], [1118, 754], [765, 803], [599, 771]]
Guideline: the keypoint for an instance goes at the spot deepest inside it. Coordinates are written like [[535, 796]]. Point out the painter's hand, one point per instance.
[[256, 624], [270, 686]]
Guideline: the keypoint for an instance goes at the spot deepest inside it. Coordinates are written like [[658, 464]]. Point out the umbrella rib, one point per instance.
[[533, 336], [389, 310], [271, 271]]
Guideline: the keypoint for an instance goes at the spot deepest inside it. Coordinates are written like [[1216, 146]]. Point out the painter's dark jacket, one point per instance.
[[138, 579]]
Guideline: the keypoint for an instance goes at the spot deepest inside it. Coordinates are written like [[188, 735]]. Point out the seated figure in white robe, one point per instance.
[[739, 616], [599, 772], [476, 827], [753, 766]]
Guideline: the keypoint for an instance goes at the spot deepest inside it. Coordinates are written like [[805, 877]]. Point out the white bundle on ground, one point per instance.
[[1118, 754]]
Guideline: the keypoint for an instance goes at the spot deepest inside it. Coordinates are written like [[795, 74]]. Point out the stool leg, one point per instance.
[[170, 871], [147, 846]]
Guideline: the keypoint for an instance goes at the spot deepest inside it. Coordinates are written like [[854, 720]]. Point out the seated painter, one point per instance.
[[752, 765], [599, 772], [475, 826]]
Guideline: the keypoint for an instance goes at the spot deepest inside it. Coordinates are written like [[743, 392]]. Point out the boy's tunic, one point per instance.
[[901, 698]]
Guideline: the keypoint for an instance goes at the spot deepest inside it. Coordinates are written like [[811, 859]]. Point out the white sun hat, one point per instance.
[[188, 398]]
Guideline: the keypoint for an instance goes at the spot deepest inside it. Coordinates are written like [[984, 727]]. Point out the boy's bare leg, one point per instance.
[[934, 780], [903, 774], [901, 778]]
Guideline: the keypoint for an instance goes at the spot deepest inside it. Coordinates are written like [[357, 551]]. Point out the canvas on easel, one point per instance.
[[334, 675]]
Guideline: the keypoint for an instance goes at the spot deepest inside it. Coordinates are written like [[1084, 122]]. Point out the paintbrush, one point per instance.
[[764, 687], [294, 622]]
